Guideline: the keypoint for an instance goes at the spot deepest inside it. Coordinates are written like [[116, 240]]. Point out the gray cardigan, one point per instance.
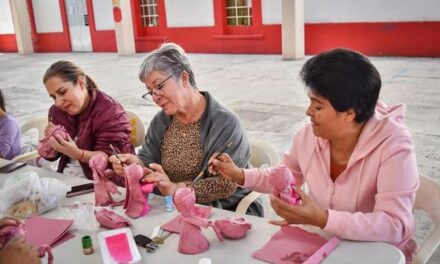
[[218, 127]]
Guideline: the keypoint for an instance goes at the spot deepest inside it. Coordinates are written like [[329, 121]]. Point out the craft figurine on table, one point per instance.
[[110, 219], [283, 184], [9, 232], [192, 240], [233, 228], [102, 185], [136, 197], [44, 149]]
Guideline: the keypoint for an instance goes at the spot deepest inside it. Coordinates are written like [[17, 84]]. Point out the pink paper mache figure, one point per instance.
[[136, 202], [102, 185], [283, 184], [233, 228], [192, 240], [44, 149]]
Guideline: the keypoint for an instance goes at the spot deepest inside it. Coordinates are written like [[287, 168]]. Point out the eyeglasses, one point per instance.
[[158, 90]]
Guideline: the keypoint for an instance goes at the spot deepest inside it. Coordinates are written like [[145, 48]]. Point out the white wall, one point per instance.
[[318, 11], [103, 14], [6, 23], [47, 16], [189, 13], [271, 11]]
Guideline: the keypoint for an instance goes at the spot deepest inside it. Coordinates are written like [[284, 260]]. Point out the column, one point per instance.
[[22, 26], [292, 29], [123, 27]]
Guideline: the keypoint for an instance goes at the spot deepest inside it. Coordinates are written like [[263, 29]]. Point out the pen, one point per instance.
[[216, 157], [116, 154]]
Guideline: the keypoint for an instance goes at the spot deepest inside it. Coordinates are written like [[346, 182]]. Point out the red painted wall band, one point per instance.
[[8, 43], [421, 39]]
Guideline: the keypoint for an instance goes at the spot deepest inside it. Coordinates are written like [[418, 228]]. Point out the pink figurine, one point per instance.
[[102, 185], [136, 203], [233, 228], [44, 149], [192, 240], [283, 184]]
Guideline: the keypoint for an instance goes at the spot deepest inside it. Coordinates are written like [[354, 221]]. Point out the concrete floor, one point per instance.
[[263, 89]]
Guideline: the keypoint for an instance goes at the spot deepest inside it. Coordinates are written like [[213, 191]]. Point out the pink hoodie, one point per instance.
[[372, 199]]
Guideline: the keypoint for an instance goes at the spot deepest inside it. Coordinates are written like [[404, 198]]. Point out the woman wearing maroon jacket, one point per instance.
[[92, 119]]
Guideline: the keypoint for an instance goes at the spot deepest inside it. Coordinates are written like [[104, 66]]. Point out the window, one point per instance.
[[149, 13], [239, 12]]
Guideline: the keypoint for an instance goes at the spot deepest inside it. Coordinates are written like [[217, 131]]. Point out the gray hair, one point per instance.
[[168, 58]]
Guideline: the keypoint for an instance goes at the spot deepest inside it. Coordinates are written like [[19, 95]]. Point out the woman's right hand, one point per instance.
[[126, 159], [226, 167]]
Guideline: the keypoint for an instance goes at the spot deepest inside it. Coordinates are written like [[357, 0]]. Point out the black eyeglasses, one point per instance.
[[158, 90]]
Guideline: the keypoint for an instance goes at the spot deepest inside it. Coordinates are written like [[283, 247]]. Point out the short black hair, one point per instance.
[[2, 102], [346, 78]]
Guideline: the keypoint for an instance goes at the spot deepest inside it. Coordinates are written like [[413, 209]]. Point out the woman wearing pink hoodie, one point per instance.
[[356, 156]]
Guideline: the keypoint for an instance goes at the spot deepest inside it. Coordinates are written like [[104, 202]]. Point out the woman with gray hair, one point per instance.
[[191, 127]]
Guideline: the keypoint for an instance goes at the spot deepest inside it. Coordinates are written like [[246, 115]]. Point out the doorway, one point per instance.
[[78, 22]]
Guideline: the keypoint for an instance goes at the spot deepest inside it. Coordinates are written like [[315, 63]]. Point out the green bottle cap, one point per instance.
[[86, 242]]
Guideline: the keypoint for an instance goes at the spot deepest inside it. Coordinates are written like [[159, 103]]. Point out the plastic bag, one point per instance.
[[83, 216], [25, 194]]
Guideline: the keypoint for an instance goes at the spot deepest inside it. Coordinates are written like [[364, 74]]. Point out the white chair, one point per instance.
[[262, 155], [40, 123], [138, 129], [428, 200]]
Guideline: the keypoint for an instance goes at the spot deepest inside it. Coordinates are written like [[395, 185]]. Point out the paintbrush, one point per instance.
[[216, 157], [116, 154]]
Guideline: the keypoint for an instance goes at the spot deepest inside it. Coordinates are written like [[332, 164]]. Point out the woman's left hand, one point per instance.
[[158, 175], [67, 147], [308, 212]]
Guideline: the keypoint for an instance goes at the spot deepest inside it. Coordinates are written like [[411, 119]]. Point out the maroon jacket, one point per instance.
[[104, 122]]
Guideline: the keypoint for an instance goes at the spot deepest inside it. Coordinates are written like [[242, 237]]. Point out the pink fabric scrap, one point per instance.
[[192, 240], [104, 188], [233, 228], [295, 245], [44, 149], [283, 184], [111, 219]]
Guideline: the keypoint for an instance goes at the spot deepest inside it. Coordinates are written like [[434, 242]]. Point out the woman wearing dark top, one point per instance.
[[92, 119]]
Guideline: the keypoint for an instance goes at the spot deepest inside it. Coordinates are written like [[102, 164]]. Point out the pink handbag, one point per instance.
[[233, 228], [44, 149]]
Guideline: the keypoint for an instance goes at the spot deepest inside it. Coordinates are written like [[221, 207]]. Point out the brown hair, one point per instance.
[[68, 72]]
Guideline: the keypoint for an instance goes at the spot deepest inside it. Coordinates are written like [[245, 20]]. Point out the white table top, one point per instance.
[[232, 251]]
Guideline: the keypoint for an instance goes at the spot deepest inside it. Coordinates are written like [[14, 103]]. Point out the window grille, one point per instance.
[[239, 12], [149, 13]]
